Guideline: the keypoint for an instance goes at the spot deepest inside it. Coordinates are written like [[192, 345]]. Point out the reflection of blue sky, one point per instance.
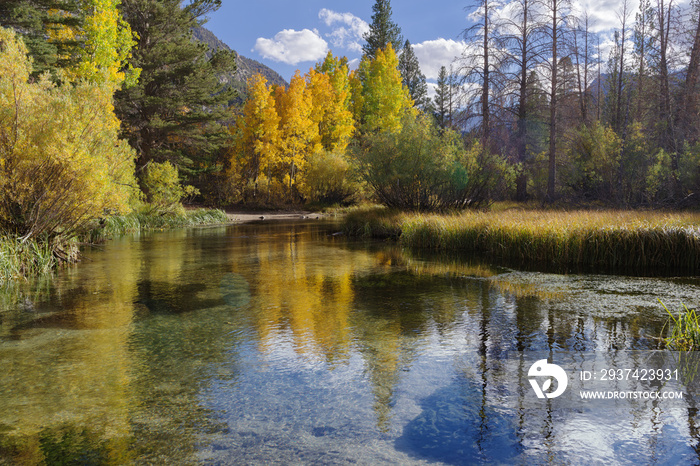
[[286, 406]]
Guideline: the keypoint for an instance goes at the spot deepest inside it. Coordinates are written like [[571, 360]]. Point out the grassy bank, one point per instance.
[[34, 258], [591, 239]]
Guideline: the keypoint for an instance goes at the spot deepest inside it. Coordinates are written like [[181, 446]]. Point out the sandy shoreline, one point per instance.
[[248, 216]]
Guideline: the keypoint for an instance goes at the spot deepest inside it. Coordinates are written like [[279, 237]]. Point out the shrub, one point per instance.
[[327, 178], [161, 184], [61, 161], [422, 168]]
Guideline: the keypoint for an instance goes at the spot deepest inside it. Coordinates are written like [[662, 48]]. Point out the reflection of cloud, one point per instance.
[[350, 31], [292, 47], [432, 54]]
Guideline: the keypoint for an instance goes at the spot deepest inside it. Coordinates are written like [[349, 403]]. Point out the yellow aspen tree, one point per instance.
[[322, 99], [382, 101], [257, 148], [336, 122], [299, 136], [107, 47]]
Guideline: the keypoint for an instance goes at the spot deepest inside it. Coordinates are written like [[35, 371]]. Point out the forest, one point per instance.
[[111, 109]]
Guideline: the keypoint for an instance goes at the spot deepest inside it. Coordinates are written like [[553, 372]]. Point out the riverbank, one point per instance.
[[600, 240]]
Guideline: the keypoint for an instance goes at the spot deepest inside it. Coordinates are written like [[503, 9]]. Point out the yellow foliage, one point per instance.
[[62, 163], [330, 94], [380, 99], [299, 137], [162, 186], [257, 146], [107, 47]]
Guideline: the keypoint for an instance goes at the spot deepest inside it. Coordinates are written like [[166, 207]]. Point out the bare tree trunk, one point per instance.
[[486, 124], [688, 113], [552, 175]]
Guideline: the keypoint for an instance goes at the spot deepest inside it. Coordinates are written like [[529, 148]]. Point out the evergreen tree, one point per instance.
[[382, 31], [443, 99], [412, 77], [173, 113]]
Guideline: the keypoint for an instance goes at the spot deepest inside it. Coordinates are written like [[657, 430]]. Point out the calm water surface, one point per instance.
[[284, 343]]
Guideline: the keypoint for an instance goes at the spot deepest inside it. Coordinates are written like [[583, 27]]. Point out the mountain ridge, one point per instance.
[[245, 67]]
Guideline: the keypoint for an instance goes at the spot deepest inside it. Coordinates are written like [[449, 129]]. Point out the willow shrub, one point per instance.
[[62, 163], [420, 167], [327, 179]]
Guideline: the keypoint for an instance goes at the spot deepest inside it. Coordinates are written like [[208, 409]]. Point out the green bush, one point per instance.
[[161, 184], [593, 154], [422, 168], [327, 179]]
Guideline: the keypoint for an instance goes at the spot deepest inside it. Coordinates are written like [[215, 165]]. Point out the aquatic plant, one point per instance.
[[684, 330]]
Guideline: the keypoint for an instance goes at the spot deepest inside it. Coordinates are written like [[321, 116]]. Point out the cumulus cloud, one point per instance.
[[432, 54], [348, 29], [293, 47]]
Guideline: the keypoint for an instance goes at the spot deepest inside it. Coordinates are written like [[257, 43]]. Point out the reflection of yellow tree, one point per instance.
[[79, 376], [306, 291]]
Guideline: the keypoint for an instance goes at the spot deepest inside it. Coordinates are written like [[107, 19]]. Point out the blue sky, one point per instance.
[[289, 35]]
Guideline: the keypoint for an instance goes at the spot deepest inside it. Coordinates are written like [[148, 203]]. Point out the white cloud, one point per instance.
[[350, 31], [354, 64], [432, 54], [293, 47]]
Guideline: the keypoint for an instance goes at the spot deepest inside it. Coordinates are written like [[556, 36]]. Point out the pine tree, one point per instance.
[[173, 113], [443, 99], [382, 31], [412, 77]]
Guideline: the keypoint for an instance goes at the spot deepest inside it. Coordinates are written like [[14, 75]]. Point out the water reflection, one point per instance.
[[285, 343]]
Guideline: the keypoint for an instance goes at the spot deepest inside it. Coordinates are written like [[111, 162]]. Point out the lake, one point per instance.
[[289, 343]]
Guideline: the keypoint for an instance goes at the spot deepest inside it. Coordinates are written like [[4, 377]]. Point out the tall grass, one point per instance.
[[35, 258], [597, 239], [22, 259]]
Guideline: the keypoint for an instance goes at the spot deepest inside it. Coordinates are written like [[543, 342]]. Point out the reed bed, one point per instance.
[[22, 259], [596, 239]]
